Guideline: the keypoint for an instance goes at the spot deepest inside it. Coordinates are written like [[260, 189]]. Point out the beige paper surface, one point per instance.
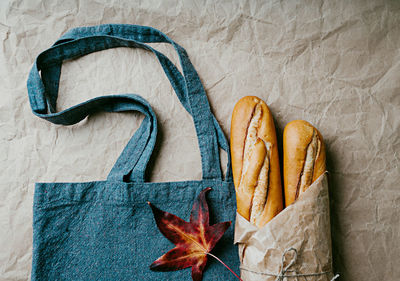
[[332, 63], [304, 226]]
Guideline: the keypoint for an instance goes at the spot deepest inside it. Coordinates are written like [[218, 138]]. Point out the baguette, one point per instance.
[[303, 158], [255, 161]]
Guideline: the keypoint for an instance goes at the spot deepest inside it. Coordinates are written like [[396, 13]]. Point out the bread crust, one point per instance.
[[255, 161], [303, 158]]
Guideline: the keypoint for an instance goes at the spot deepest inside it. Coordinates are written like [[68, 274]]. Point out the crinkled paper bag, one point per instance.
[[304, 226]]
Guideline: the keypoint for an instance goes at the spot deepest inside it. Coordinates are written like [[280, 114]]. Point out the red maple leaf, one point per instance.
[[194, 240]]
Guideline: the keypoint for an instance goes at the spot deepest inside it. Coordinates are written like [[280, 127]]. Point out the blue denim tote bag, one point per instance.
[[104, 230]]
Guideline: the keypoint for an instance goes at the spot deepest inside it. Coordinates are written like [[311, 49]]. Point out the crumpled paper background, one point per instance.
[[304, 226], [335, 64]]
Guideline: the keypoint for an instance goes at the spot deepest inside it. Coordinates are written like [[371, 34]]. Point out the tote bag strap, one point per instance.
[[43, 91]]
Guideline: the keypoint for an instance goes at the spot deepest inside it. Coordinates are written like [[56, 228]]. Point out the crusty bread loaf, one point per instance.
[[255, 161], [303, 158]]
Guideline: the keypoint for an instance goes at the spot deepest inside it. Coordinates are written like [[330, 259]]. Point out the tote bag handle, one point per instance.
[[43, 92]]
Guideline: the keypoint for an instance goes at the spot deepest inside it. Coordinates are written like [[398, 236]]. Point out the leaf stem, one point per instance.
[[215, 257]]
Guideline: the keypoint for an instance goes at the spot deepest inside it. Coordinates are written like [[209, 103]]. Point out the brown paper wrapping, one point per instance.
[[304, 225]]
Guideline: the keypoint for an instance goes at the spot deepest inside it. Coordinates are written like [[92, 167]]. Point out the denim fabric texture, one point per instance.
[[104, 230]]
